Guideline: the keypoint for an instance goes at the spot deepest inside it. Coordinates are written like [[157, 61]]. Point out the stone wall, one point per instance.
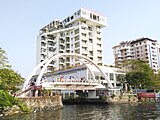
[[43, 103], [123, 99]]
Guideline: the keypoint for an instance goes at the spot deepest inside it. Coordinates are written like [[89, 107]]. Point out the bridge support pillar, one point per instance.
[[36, 93], [74, 94], [64, 95], [69, 94], [92, 94]]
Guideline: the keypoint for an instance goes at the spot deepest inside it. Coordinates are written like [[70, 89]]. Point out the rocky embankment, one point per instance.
[[43, 103], [122, 99], [35, 104]]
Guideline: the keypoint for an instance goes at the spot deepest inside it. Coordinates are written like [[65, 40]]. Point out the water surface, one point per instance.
[[95, 112]]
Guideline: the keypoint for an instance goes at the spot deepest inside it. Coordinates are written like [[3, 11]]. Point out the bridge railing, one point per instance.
[[76, 81], [19, 93]]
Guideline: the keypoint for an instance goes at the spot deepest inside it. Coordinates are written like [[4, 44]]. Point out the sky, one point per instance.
[[20, 21]]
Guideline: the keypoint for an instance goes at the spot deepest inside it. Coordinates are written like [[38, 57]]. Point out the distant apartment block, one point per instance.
[[79, 33], [144, 49]]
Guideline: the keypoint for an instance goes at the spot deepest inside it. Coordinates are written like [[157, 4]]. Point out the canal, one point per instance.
[[95, 112]]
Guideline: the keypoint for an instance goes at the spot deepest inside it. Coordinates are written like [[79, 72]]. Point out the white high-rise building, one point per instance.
[[145, 49], [78, 33]]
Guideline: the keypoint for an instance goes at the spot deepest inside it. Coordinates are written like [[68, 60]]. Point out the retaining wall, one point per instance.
[[43, 103]]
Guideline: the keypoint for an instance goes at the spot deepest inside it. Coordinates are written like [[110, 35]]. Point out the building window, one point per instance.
[[76, 38], [77, 44], [111, 75], [76, 31], [90, 40], [72, 17], [94, 17], [78, 12], [91, 15], [89, 28], [83, 12], [84, 35]]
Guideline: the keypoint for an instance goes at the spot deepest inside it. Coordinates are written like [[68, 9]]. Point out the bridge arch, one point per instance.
[[33, 73], [92, 74], [72, 55]]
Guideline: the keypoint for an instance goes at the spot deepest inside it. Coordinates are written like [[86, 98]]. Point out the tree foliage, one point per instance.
[[3, 59], [140, 75], [6, 99], [9, 80]]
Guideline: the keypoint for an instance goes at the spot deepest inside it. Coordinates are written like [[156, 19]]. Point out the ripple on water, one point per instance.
[[95, 112]]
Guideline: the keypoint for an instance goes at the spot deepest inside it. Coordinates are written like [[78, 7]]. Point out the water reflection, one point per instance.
[[95, 112]]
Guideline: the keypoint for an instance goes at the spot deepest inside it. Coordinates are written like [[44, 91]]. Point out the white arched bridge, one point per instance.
[[64, 84]]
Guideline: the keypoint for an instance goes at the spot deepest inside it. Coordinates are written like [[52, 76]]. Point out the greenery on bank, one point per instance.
[[139, 75], [9, 84]]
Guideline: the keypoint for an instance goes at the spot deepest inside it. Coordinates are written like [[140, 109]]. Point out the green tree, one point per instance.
[[9, 80], [3, 59], [6, 99], [121, 78], [139, 74]]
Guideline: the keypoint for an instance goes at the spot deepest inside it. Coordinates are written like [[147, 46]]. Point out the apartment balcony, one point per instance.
[[68, 41], [99, 48], [62, 63], [51, 45], [120, 59], [61, 38], [68, 51], [61, 43], [43, 40], [84, 45], [61, 50], [90, 35], [51, 65], [84, 25], [68, 48], [44, 46], [100, 64], [50, 40], [84, 52], [83, 31], [67, 35], [98, 29], [67, 61], [42, 58], [99, 61], [90, 55], [99, 54], [43, 52], [84, 37], [129, 54], [90, 29]]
